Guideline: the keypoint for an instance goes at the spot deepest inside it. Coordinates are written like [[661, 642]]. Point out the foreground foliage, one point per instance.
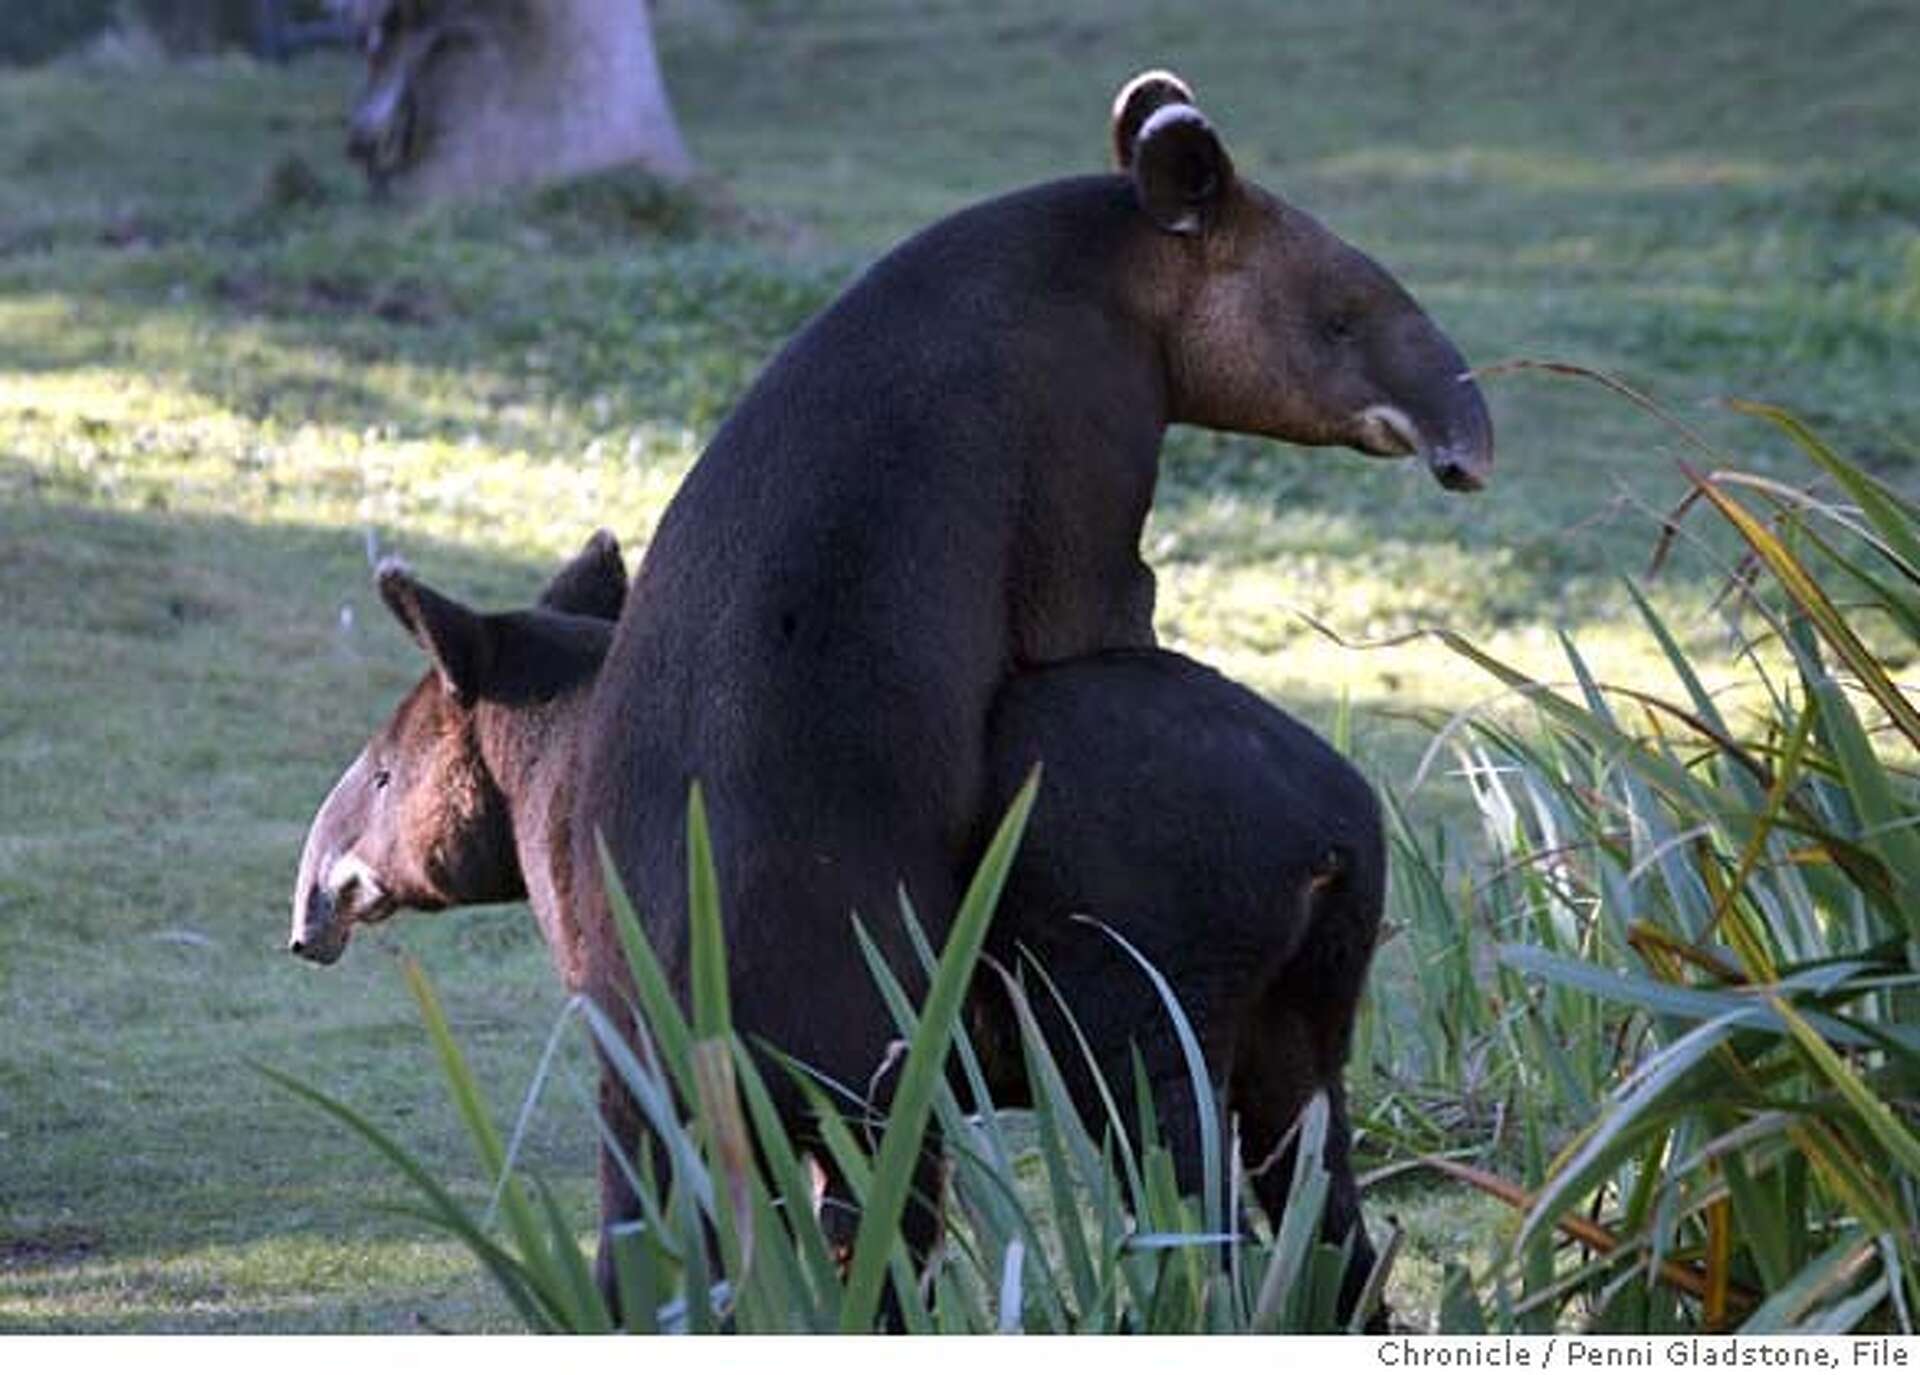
[[1697, 940], [1097, 1239]]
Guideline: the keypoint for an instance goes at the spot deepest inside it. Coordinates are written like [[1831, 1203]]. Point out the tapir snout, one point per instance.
[[1437, 411], [332, 895], [1455, 436], [318, 934], [336, 888]]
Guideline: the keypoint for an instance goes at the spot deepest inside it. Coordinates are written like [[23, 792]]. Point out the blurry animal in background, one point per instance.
[[463, 95]]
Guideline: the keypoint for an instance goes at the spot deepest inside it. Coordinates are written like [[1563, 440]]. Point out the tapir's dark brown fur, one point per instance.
[[1233, 848], [939, 482], [1218, 836]]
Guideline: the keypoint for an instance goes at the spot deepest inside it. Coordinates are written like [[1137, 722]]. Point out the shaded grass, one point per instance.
[[180, 693], [208, 399]]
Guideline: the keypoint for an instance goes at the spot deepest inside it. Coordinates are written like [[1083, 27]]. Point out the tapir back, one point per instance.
[[1184, 811]]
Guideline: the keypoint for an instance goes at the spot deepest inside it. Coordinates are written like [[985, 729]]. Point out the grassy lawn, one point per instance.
[[212, 405]]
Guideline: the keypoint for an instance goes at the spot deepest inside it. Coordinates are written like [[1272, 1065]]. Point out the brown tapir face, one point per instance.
[[418, 820], [415, 821], [1275, 325]]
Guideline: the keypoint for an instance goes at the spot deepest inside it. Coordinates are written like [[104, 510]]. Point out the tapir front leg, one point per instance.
[[618, 1159]]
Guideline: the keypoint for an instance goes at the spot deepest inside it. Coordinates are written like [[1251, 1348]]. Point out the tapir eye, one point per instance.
[[381, 778], [1339, 327]]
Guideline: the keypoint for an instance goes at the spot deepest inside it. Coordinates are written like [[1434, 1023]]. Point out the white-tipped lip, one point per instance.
[[350, 894], [1388, 432]]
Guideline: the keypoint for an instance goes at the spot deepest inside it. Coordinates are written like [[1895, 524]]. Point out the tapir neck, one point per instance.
[[528, 750], [1067, 275]]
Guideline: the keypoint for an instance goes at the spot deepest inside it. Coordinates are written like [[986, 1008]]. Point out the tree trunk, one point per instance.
[[465, 95]]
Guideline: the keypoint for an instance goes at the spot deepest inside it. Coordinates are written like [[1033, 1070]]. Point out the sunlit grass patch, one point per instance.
[[130, 440]]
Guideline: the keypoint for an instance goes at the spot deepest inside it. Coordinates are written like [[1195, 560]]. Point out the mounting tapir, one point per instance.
[[1218, 836], [938, 482]]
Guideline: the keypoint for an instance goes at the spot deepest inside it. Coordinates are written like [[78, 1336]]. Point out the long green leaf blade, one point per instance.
[[925, 1066]]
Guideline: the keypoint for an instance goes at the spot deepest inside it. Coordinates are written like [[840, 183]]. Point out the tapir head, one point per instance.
[[1275, 325], [419, 820]]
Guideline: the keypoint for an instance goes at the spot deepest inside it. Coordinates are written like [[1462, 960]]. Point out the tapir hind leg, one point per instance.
[[1294, 1045]]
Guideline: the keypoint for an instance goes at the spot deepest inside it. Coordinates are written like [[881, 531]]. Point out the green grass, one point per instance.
[[207, 400]]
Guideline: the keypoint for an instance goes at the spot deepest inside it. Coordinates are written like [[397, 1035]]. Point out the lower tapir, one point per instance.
[[939, 482], [464, 795], [1220, 837]]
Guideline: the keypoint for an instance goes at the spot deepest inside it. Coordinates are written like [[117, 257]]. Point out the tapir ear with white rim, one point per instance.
[[1181, 171], [1138, 99], [593, 582], [454, 637]]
